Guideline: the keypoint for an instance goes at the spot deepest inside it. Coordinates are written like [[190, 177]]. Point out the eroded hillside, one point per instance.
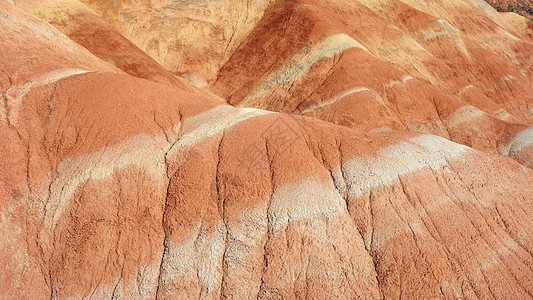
[[309, 149]]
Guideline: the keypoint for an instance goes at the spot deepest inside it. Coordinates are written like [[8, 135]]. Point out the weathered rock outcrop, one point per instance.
[[115, 186], [523, 7], [85, 27], [190, 38], [324, 59]]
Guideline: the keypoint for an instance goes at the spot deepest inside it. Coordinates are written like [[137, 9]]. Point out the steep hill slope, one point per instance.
[[85, 27], [190, 38], [458, 69], [425, 77], [115, 186]]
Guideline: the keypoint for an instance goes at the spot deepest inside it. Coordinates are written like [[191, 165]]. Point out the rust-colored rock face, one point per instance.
[[308, 149]]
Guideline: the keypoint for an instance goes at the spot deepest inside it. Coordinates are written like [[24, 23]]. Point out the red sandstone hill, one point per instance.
[[372, 149]]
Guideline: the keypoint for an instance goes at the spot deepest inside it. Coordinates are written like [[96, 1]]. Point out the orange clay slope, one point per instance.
[[382, 65], [190, 38], [113, 186], [458, 69], [85, 27]]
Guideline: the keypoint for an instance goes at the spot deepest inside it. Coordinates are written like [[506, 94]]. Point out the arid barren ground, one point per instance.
[[269, 149]]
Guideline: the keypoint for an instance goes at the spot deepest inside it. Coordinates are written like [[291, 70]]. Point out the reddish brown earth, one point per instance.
[[309, 149], [86, 28]]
